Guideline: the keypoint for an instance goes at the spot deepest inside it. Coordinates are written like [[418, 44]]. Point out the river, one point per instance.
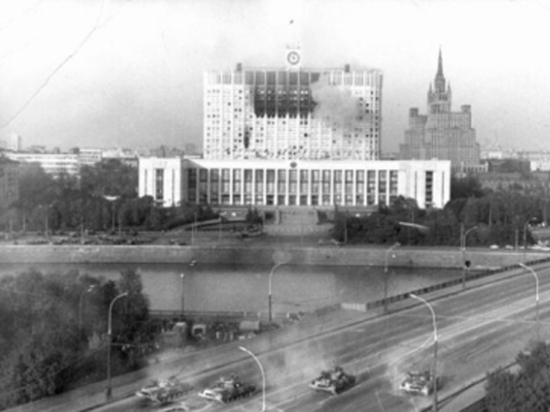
[[223, 287]]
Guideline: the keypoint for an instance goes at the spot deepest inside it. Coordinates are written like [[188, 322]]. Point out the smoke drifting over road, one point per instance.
[[334, 105]]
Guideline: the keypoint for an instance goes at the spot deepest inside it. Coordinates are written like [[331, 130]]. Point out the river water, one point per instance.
[[216, 287]]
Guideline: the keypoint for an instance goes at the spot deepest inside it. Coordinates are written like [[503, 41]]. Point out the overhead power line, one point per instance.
[[57, 68], [20, 15]]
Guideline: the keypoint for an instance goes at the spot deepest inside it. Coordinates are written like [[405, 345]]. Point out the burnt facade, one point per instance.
[[291, 114]]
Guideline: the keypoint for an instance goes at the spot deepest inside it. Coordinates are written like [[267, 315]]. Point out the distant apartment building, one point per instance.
[[89, 156], [126, 156], [52, 163], [442, 133], [9, 182], [15, 142]]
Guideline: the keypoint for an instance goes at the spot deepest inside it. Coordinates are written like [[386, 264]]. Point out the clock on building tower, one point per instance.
[[293, 59]]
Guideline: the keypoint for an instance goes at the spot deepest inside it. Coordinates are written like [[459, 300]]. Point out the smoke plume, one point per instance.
[[334, 105]]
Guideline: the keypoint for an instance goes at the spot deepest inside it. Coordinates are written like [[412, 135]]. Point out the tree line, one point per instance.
[[104, 197], [499, 217]]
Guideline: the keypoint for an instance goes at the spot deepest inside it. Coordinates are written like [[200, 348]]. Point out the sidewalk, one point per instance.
[[466, 400]]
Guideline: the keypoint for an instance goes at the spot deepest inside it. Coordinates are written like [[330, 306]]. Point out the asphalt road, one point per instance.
[[478, 330]]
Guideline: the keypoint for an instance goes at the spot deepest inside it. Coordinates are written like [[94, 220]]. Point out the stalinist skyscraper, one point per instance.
[[441, 134]]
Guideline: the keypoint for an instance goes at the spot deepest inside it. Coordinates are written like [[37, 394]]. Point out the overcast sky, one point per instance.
[[105, 73]]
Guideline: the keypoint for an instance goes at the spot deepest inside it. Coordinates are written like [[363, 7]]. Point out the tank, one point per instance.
[[418, 382], [227, 390], [334, 381], [164, 390]]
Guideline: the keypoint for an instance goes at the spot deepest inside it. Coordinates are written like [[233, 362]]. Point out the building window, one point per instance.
[[393, 185], [281, 182], [192, 185], [293, 181], [226, 182], [429, 188], [248, 181], [348, 184], [326, 183], [270, 182], [371, 187], [237, 176], [304, 181], [337, 186], [315, 181], [360, 182], [214, 184]]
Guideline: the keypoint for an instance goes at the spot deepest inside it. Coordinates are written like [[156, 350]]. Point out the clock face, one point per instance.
[[293, 57]]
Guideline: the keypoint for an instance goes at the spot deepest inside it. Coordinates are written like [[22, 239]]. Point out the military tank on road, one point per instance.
[[227, 390], [334, 381], [164, 390], [418, 382]]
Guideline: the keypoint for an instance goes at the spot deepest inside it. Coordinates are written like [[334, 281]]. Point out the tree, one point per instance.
[[465, 187], [109, 177], [526, 390]]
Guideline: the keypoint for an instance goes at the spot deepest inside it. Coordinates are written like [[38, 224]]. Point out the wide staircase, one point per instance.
[[296, 222]]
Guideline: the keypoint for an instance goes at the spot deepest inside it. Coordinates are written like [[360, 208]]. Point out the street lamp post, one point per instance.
[[46, 219], [536, 296], [261, 370], [182, 276], [525, 233], [88, 290], [109, 392], [464, 255], [412, 295], [386, 274], [269, 299]]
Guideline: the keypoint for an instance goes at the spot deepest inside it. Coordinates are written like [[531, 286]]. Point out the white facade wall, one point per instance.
[[300, 183], [161, 178]]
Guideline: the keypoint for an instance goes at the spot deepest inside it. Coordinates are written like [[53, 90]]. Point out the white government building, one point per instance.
[[293, 136]]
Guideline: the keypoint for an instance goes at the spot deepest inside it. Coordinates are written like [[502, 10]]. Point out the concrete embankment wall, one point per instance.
[[312, 255]]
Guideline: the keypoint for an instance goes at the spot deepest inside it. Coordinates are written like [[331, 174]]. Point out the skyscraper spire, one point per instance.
[[439, 97], [439, 83], [440, 65]]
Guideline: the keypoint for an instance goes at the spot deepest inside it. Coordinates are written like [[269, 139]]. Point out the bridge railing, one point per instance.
[[454, 282]]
